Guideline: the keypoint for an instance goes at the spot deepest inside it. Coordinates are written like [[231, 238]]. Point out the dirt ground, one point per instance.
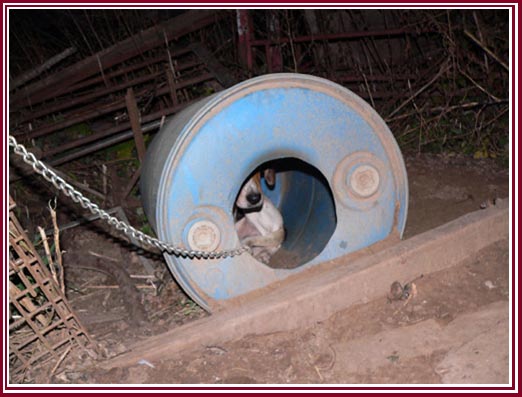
[[380, 342], [452, 329]]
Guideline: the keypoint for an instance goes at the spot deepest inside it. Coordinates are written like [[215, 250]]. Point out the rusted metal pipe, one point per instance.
[[112, 107], [244, 32], [103, 144], [341, 36], [105, 133]]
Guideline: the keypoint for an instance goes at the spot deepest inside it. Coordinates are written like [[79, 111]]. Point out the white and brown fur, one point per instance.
[[259, 224]]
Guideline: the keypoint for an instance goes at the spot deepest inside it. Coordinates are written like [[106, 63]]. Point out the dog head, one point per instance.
[[251, 195]]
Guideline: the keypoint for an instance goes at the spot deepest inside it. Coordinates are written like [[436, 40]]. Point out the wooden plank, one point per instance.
[[222, 74]]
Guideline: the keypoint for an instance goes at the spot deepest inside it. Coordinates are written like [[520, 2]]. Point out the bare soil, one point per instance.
[[453, 327], [380, 342]]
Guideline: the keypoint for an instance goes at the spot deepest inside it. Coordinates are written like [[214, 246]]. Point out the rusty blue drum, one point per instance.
[[341, 181]]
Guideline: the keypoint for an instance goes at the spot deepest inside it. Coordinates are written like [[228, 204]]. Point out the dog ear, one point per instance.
[[270, 177]]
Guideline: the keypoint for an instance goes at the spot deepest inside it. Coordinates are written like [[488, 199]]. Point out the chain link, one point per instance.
[[60, 184]]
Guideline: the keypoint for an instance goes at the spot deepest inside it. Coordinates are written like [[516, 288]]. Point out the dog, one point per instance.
[[259, 224]]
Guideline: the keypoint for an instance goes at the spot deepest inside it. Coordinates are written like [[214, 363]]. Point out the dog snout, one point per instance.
[[254, 198]]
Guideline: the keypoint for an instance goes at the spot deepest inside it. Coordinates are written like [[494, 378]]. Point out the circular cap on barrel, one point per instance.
[[364, 180], [204, 236]]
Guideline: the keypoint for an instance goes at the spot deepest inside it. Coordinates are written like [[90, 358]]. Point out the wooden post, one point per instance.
[[134, 117], [171, 73], [131, 184], [172, 86]]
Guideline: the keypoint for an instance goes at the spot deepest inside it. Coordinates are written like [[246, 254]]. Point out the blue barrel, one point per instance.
[[341, 184]]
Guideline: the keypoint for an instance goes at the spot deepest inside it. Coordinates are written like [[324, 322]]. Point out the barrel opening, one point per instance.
[[304, 198]]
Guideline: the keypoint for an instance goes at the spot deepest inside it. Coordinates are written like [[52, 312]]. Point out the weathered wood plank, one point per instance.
[[222, 74]]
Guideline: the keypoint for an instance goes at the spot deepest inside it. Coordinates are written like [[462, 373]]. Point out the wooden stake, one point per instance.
[[134, 116], [48, 253], [57, 250], [172, 87], [132, 183]]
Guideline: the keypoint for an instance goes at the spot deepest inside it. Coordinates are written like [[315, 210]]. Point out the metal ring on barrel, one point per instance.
[[347, 187]]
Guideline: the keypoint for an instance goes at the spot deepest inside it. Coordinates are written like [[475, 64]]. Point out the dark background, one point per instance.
[[464, 108]]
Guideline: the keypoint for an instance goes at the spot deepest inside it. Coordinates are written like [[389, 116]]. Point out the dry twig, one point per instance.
[[442, 70], [60, 360], [486, 49]]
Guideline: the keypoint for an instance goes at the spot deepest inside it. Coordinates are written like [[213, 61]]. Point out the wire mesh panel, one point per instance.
[[43, 329]]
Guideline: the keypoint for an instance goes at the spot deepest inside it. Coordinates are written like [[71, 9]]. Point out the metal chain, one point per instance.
[[60, 184]]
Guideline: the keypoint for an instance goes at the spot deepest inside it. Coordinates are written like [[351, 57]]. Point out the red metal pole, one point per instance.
[[244, 33], [274, 56]]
